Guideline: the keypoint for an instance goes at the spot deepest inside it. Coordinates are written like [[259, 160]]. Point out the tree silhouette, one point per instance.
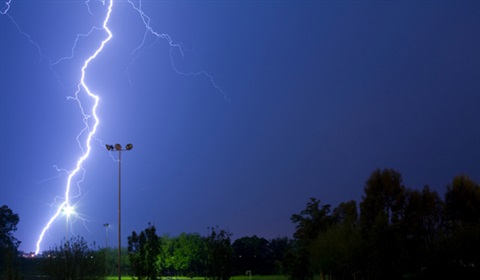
[[74, 259], [219, 255], [310, 222], [381, 211], [144, 250], [8, 243], [254, 254]]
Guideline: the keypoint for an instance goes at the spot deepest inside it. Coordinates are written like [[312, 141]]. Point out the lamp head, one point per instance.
[[129, 146], [109, 147], [118, 147]]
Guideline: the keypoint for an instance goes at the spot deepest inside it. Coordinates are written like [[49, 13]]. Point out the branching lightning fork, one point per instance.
[[90, 118], [149, 30]]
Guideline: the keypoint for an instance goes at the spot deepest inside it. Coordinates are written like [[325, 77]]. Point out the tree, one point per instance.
[[144, 251], [189, 253], [310, 222], [336, 250], [218, 255], [458, 246], [419, 228], [422, 214], [183, 254], [297, 262], [383, 201], [8, 243], [74, 260], [254, 254], [136, 254], [166, 261], [381, 211], [346, 213], [8, 225], [279, 247], [462, 202]]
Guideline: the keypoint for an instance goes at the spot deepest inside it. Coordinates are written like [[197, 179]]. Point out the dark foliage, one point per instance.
[[144, 250], [252, 254], [400, 233], [8, 243], [219, 255], [74, 260]]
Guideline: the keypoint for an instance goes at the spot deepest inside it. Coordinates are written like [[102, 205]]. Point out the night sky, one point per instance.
[[239, 111]]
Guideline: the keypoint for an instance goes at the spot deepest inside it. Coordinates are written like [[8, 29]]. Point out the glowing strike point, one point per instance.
[[90, 130], [69, 210]]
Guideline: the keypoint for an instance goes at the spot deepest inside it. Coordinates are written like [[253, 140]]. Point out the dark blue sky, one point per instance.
[[270, 103]]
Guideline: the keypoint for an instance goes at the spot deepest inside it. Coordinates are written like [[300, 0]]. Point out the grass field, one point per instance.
[[238, 277]]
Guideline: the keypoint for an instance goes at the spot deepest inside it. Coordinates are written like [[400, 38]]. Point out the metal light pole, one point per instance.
[[106, 225], [118, 148]]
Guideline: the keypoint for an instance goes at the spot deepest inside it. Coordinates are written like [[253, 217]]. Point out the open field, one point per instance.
[[238, 277], [260, 277]]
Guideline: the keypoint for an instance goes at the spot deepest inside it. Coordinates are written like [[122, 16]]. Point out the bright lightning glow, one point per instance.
[[90, 130], [69, 210]]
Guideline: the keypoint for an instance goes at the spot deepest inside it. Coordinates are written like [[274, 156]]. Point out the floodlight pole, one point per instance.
[[66, 232], [106, 225], [118, 148], [119, 214]]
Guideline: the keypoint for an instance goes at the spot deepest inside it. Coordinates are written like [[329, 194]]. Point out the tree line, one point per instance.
[[394, 232], [214, 256]]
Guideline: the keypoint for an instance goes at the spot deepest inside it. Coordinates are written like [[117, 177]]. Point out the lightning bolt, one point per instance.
[[90, 118], [89, 129], [6, 7]]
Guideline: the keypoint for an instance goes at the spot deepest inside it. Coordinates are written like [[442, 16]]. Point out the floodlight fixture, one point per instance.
[[118, 147]]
